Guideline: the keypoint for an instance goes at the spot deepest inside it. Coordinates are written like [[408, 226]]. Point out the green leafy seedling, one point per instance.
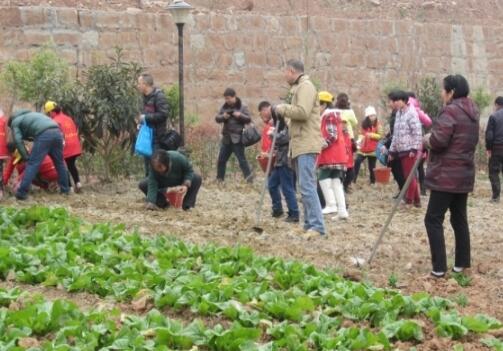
[[462, 279], [392, 281], [461, 300]]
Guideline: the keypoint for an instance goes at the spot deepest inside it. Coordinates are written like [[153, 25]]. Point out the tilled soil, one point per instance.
[[225, 215]]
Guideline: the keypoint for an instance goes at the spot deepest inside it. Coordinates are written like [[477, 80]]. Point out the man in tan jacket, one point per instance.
[[302, 113]]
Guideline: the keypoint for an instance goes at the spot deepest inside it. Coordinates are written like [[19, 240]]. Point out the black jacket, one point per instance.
[[494, 131], [233, 126], [156, 109]]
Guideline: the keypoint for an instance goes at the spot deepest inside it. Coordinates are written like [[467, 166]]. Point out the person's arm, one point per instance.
[[7, 171], [243, 116], [283, 137], [378, 133], [424, 118], [153, 187], [221, 116], [416, 131], [490, 134], [188, 172], [161, 111], [306, 98], [441, 132], [18, 140]]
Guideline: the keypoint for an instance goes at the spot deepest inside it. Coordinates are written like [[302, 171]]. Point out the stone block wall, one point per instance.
[[352, 46]]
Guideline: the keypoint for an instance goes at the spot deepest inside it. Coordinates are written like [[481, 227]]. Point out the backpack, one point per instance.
[[170, 140]]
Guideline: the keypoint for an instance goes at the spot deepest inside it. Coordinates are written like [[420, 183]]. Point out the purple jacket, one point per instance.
[[454, 137]]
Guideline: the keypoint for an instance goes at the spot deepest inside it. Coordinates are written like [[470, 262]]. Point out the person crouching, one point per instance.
[[170, 169], [332, 159]]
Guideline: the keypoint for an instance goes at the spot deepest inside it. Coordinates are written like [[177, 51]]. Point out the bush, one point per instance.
[[173, 95], [481, 98], [428, 92]]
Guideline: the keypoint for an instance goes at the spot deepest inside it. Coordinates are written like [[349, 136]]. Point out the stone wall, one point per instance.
[[352, 46]]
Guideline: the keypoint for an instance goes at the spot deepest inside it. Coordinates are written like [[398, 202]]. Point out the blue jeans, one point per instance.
[[283, 177], [49, 142], [306, 171], [226, 150]]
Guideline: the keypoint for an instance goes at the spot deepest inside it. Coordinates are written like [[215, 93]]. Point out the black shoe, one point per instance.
[[423, 192], [291, 219], [277, 213], [495, 200]]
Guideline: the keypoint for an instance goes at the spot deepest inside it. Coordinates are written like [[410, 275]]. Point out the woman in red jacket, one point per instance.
[[46, 175], [72, 148], [333, 158], [370, 135], [4, 153]]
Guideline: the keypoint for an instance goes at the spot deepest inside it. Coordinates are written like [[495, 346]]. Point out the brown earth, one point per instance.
[[226, 215]]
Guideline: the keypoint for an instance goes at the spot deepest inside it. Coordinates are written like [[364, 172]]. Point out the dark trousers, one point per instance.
[[189, 201], [495, 169], [372, 165], [226, 150], [438, 205], [349, 176], [72, 168], [396, 169], [420, 177], [283, 178], [49, 142]]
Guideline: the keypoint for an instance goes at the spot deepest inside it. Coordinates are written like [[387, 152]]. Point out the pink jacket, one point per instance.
[[423, 116]]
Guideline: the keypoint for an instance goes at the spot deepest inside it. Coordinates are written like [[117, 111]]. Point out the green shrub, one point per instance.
[[428, 93]]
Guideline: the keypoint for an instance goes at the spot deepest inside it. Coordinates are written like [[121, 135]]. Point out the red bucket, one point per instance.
[[262, 161], [382, 174], [175, 197]]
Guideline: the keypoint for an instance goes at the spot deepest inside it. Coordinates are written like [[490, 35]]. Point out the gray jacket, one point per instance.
[[233, 126]]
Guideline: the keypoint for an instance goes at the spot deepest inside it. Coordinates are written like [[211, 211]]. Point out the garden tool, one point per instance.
[[257, 227]]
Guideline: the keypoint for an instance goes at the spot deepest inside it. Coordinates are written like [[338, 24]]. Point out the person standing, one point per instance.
[[333, 158], [154, 112], [4, 152], [370, 134], [494, 147], [47, 140], [72, 148], [302, 112], [406, 143], [281, 176], [233, 115], [450, 175]]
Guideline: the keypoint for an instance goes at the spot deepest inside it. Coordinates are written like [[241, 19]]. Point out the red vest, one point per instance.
[[4, 153], [47, 171], [70, 133], [368, 144], [266, 139], [349, 149], [335, 153]]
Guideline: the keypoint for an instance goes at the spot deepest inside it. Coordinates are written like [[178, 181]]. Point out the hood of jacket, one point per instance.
[[468, 106]]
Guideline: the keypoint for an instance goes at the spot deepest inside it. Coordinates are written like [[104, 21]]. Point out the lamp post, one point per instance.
[[180, 11]]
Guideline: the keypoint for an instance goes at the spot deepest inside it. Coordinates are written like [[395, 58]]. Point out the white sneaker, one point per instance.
[[329, 210], [343, 216]]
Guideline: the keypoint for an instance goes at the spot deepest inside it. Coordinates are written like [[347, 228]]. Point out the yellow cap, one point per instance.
[[50, 106], [325, 96]]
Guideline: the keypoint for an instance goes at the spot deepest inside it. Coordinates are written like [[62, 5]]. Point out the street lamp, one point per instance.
[[180, 11]]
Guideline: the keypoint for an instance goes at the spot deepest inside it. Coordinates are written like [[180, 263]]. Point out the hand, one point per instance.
[[390, 158], [236, 114], [270, 131], [384, 150], [488, 153], [412, 154], [226, 115], [151, 207], [324, 145]]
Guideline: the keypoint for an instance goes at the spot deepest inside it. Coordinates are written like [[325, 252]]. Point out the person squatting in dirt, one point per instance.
[[494, 147], [72, 148], [47, 140], [282, 177], [233, 116], [332, 160], [170, 169], [301, 111], [450, 175]]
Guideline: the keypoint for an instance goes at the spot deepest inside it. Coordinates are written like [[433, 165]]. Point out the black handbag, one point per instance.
[[251, 135], [171, 140]]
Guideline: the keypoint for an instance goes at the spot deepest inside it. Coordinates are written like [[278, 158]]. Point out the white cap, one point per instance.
[[370, 110]]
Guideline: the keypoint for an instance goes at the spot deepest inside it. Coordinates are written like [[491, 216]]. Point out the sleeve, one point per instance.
[[378, 134], [153, 187], [306, 97], [219, 118], [490, 133], [161, 111], [424, 118], [353, 121], [441, 132], [18, 140], [245, 117], [283, 137], [392, 146]]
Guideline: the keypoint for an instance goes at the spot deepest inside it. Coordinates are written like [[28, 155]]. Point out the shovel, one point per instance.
[[360, 261], [257, 228]]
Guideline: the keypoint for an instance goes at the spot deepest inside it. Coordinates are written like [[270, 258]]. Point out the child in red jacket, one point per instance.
[[4, 153], [72, 148], [333, 158]]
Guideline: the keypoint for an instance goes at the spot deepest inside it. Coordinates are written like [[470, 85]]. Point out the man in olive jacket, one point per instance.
[[233, 115], [302, 112], [47, 140]]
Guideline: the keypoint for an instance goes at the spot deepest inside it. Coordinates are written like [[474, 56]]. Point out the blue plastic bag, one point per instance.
[[144, 141], [382, 157]]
